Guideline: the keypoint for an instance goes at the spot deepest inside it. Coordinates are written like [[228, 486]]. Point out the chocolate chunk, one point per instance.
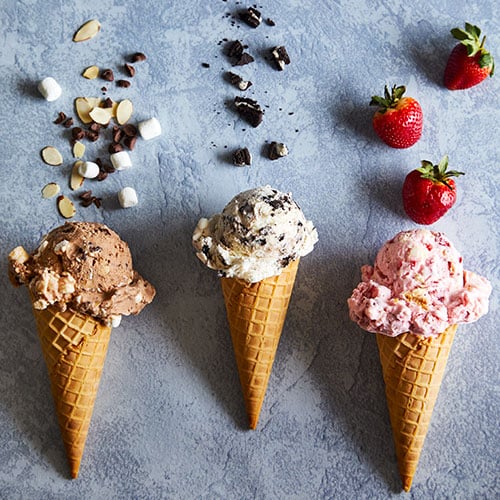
[[129, 142], [281, 57], [60, 118], [130, 70], [77, 133], [137, 57], [108, 103], [123, 83], [115, 147], [242, 157], [245, 58], [235, 49], [277, 150], [249, 110], [237, 81], [68, 123], [92, 135], [129, 130], [251, 16], [107, 74]]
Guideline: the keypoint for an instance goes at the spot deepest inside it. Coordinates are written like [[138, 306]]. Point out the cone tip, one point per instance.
[[74, 469], [407, 480]]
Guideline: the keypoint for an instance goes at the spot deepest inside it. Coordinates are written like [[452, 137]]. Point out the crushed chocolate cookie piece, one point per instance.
[[115, 147], [68, 123], [251, 16], [60, 118], [129, 69], [249, 110], [235, 49], [242, 157], [270, 22], [108, 75], [244, 59], [277, 150], [280, 56], [129, 130], [205, 65], [237, 81], [137, 57], [77, 133], [123, 83]]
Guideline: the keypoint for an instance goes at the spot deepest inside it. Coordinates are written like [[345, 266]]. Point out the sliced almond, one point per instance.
[[50, 190], [66, 207], [114, 107], [84, 105], [91, 72], [78, 149], [76, 180], [87, 31], [124, 111], [51, 156], [101, 115]]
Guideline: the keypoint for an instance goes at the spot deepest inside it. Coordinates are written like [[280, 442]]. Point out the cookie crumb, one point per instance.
[[277, 150], [242, 157]]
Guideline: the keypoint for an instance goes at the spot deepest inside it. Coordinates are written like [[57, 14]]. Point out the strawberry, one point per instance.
[[399, 120], [429, 191], [469, 62]]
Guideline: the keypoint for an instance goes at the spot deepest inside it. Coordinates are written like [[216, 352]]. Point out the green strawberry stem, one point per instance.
[[390, 100], [438, 173]]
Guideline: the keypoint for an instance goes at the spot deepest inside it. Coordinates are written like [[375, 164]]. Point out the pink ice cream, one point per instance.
[[417, 285]]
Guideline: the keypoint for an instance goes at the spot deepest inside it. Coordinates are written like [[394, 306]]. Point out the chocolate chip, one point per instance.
[[60, 118], [95, 127], [251, 16], [92, 135], [86, 195], [242, 157], [107, 74], [280, 56], [77, 133], [244, 59], [117, 134], [102, 175], [130, 70], [108, 103], [97, 201], [249, 110], [137, 57], [129, 142], [115, 147], [129, 130], [123, 83], [68, 123]]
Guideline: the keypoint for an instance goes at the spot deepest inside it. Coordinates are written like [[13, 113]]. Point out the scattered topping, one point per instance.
[[68, 122], [281, 57], [50, 190], [129, 142], [84, 105], [51, 156], [270, 22], [121, 160], [91, 72], [76, 180], [242, 157], [127, 197], [137, 57], [108, 75], [205, 65], [277, 150], [123, 83], [124, 111], [87, 199], [101, 116], [89, 169], [60, 118], [251, 16], [130, 70], [49, 89], [149, 129], [237, 81], [87, 31], [66, 207], [249, 110], [235, 49], [77, 133], [78, 149], [244, 59]]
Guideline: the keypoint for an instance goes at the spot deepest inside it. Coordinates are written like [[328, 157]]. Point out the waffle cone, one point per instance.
[[413, 368], [256, 313], [74, 347]]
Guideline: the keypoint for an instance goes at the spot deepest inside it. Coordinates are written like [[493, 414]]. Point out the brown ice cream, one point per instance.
[[85, 267]]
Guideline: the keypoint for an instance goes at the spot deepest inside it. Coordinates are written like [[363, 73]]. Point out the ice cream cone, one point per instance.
[[413, 368], [74, 347], [256, 313]]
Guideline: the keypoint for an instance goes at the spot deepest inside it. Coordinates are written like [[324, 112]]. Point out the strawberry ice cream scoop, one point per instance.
[[417, 285]]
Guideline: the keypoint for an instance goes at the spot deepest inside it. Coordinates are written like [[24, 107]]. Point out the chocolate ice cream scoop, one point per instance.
[[83, 266]]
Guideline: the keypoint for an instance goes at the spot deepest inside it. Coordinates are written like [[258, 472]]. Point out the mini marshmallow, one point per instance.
[[89, 170], [121, 160], [127, 197], [50, 89], [149, 129]]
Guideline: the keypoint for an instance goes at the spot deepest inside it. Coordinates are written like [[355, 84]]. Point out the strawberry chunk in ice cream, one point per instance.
[[417, 285]]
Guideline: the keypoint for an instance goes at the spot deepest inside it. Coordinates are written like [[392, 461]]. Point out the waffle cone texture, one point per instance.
[[256, 313], [413, 368], [74, 347]]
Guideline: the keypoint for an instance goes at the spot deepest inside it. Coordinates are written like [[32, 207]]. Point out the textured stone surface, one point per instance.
[[169, 419]]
